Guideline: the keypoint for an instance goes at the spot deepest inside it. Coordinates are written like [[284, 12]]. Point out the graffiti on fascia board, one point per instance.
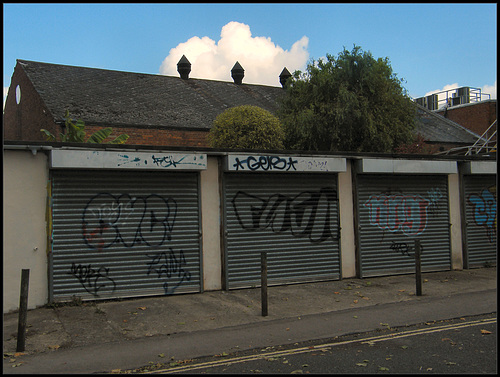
[[269, 163], [485, 211], [163, 160], [127, 160]]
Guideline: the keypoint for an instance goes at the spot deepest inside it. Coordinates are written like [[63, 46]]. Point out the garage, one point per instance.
[[396, 209], [287, 207], [480, 203], [123, 232]]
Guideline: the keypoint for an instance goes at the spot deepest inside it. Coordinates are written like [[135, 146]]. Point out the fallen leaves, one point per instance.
[[485, 332]]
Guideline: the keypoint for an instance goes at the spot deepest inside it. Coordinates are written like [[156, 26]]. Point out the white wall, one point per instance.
[[455, 221], [211, 242], [25, 178], [347, 236]]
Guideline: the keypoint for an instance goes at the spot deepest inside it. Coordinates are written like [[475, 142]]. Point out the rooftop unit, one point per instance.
[[452, 97]]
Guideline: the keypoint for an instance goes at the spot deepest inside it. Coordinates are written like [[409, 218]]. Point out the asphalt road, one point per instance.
[[462, 345]]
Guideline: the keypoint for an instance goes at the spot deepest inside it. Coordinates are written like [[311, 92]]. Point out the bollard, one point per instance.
[[263, 282], [418, 268], [23, 309]]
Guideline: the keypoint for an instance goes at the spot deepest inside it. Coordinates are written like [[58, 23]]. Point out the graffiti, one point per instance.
[[125, 159], [434, 195], [280, 213], [316, 165], [93, 280], [405, 213], [170, 161], [108, 219], [285, 163], [485, 212], [265, 163], [401, 247], [167, 265]]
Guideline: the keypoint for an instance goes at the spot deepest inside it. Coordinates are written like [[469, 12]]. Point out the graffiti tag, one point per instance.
[[109, 219], [405, 213], [301, 214], [168, 265], [93, 280], [265, 163], [485, 212], [401, 247]]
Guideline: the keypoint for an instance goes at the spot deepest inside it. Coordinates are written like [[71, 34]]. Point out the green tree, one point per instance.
[[246, 127], [75, 133], [352, 102]]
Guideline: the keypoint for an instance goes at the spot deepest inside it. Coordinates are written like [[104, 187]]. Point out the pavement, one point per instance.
[[118, 335]]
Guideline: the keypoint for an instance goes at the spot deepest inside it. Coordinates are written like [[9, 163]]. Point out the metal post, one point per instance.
[[23, 309], [263, 282], [418, 268]]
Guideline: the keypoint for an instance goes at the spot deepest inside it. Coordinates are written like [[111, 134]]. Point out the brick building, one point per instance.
[[151, 109], [157, 110], [475, 116]]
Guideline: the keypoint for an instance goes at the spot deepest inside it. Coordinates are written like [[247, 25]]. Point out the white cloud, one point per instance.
[[491, 90], [446, 87], [261, 59]]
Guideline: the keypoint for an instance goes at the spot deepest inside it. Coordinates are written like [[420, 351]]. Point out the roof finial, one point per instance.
[[284, 76], [237, 73], [184, 67]]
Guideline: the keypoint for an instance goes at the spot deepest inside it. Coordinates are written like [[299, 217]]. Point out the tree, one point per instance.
[[246, 127], [75, 133], [352, 102]]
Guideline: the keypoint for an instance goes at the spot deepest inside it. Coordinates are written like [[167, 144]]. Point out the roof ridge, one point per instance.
[[25, 62]]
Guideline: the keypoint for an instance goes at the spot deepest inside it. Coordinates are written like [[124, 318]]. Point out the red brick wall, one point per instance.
[[160, 137], [477, 117], [23, 121]]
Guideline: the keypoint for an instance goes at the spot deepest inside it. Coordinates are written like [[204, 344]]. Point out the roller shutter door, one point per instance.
[[481, 219], [124, 234], [293, 217], [393, 212]]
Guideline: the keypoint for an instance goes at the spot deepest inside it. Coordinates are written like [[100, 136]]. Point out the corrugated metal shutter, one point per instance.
[[393, 212], [293, 217], [481, 219], [124, 234]]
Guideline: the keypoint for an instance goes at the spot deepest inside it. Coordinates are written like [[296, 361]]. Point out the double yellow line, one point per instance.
[[371, 340]]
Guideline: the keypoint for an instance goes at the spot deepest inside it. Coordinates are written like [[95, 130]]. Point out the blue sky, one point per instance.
[[432, 46]]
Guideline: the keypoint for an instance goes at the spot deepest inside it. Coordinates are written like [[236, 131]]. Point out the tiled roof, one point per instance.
[[436, 128], [114, 98]]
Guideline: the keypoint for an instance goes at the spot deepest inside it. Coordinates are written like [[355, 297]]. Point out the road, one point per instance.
[[461, 345]]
